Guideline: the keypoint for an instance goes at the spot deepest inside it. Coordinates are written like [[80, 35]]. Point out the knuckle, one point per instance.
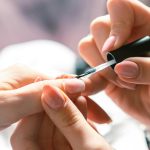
[[120, 27], [16, 141], [111, 3], [83, 45], [99, 23], [70, 121], [121, 24]]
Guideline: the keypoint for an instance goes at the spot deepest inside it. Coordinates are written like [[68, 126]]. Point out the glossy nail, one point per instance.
[[74, 86], [109, 44], [53, 98], [127, 69]]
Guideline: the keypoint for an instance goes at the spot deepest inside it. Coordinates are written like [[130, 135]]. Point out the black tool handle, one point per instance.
[[138, 48]]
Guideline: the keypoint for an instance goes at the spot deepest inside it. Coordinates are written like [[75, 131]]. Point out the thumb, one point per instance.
[[70, 121], [134, 70]]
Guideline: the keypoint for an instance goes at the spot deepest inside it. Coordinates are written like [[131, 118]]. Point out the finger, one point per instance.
[[46, 133], [100, 29], [134, 70], [69, 119], [91, 123], [81, 104], [126, 23], [91, 55], [96, 113], [26, 134], [89, 52], [3, 127], [18, 76], [65, 76], [98, 81], [59, 141], [120, 12], [26, 100]]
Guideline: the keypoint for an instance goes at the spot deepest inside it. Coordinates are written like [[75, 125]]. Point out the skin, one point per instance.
[[20, 99], [20, 94], [130, 93], [63, 128]]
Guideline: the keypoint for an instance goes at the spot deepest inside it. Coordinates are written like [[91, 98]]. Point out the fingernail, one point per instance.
[[65, 76], [127, 69], [53, 98], [74, 86], [109, 44]]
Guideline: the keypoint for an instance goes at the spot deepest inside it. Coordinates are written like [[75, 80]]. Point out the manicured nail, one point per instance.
[[109, 44], [74, 86], [127, 69], [65, 76], [53, 98]]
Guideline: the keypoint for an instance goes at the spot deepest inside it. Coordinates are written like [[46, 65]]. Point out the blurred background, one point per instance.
[[64, 21]]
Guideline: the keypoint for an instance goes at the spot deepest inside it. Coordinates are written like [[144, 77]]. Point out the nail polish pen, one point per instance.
[[138, 48], [98, 68]]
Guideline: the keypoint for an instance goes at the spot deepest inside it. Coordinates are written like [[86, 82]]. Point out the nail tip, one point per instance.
[[109, 44], [74, 85]]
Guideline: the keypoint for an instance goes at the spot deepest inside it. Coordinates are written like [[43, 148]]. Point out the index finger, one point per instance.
[[16, 104]]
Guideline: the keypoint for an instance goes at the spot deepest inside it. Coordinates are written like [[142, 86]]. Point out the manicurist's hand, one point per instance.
[[63, 127], [129, 84]]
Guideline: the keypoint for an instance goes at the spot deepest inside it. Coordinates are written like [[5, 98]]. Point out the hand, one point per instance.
[[20, 98], [129, 86], [63, 128], [12, 78]]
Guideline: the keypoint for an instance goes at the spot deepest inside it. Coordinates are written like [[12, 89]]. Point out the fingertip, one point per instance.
[[53, 97], [109, 44], [83, 44], [127, 69], [98, 115], [74, 85]]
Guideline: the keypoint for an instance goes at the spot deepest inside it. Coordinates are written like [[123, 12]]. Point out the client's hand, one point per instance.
[[11, 107], [65, 127], [20, 98]]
